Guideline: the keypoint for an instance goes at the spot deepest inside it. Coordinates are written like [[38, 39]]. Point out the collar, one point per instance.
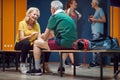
[[58, 11]]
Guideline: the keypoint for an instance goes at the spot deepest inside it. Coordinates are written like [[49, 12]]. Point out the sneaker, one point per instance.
[[63, 69], [23, 68], [94, 65], [35, 72], [72, 66]]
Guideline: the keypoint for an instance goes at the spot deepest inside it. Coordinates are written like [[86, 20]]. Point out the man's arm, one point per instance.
[[46, 34]]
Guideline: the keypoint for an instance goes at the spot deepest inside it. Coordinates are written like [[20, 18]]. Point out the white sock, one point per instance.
[[63, 63], [37, 64]]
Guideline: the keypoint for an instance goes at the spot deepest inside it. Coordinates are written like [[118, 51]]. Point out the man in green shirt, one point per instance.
[[64, 30], [63, 27]]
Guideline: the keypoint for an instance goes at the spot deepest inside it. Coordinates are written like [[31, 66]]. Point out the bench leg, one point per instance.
[[116, 61], [101, 67], [74, 69], [17, 61], [43, 62], [3, 58], [61, 61], [30, 61], [61, 65]]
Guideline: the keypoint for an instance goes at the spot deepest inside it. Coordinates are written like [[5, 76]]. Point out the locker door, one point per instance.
[[21, 6], [13, 12], [8, 25], [0, 21], [115, 22]]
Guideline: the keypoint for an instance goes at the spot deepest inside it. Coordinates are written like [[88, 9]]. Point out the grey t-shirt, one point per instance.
[[98, 27]]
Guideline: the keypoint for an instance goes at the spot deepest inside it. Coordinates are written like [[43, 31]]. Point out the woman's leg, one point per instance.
[[64, 57], [71, 55], [24, 46], [25, 50]]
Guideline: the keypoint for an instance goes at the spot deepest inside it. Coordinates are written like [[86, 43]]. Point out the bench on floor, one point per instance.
[[15, 52], [115, 54]]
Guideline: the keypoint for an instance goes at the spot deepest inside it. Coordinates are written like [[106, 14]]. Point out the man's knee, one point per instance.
[[41, 43]]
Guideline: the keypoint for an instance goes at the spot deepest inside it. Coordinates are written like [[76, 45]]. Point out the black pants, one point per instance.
[[46, 57], [25, 46]]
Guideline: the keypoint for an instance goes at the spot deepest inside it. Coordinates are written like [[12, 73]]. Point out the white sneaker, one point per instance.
[[72, 66], [23, 68]]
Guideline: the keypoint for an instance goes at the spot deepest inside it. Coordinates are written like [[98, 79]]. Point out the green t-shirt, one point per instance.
[[64, 29]]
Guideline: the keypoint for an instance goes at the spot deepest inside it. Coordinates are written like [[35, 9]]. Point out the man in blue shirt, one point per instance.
[[97, 26]]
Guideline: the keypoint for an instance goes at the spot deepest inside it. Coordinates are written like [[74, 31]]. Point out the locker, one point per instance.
[[0, 21], [12, 11], [115, 22]]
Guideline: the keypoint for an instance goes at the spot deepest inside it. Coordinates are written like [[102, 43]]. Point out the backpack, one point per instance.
[[104, 43], [81, 44]]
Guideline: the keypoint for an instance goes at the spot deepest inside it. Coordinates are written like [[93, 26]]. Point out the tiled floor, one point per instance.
[[83, 73]]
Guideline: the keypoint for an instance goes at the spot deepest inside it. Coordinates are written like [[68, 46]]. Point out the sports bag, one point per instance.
[[81, 44], [104, 43]]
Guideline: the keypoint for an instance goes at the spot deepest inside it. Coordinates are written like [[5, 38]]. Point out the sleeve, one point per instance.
[[102, 12], [51, 22], [20, 26], [38, 28]]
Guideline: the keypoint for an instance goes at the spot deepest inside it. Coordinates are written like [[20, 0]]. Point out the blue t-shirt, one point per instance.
[[97, 26]]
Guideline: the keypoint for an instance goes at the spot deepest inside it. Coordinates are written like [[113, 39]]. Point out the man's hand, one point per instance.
[[34, 34], [43, 36]]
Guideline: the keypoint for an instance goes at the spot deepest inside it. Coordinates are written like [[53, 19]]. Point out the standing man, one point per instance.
[[97, 26]]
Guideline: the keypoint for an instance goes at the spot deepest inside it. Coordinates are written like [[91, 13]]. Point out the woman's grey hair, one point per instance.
[[96, 1], [57, 4], [30, 10]]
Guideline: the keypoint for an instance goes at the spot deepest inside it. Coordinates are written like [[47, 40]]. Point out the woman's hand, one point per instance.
[[34, 34]]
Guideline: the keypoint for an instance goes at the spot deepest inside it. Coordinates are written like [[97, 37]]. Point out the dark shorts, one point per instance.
[[54, 46]]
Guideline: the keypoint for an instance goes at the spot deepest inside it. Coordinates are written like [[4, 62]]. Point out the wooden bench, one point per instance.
[[4, 52], [115, 54], [16, 53]]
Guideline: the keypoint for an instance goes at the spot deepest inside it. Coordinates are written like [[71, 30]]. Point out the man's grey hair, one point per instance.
[[57, 4], [96, 1]]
